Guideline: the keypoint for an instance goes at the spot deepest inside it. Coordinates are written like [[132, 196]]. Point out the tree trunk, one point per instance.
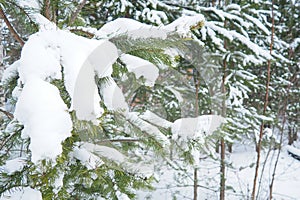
[[266, 101], [197, 85], [222, 141]]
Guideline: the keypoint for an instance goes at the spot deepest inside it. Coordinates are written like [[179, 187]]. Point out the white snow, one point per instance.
[[25, 193], [136, 29], [45, 118], [239, 176], [85, 98], [176, 93], [113, 97], [14, 165], [258, 23], [293, 150], [54, 50], [10, 71], [58, 183], [295, 43], [125, 4], [185, 129], [232, 34], [120, 26], [233, 6], [87, 158], [93, 156], [155, 16], [106, 152], [155, 119], [122, 196], [153, 131], [183, 24], [33, 4], [141, 68], [46, 62]]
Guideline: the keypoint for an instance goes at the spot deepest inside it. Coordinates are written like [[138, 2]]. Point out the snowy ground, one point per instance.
[[239, 178]]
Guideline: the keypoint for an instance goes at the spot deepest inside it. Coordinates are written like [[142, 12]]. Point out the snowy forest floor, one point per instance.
[[239, 178]]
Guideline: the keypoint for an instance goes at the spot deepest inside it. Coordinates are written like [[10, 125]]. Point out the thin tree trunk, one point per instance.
[[266, 101], [222, 171], [281, 139], [195, 183], [197, 84], [223, 148], [262, 172], [222, 141], [11, 28]]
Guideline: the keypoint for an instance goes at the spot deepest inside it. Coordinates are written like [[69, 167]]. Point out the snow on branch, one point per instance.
[[186, 129], [155, 119], [135, 29], [148, 128], [141, 67], [45, 118]]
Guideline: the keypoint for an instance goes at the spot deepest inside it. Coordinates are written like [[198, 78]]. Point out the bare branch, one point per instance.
[[120, 140], [11, 28], [75, 14], [88, 34], [9, 115]]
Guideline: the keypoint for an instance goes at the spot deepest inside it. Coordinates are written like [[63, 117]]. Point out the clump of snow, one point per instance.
[[45, 118], [14, 165], [155, 119], [183, 24], [120, 26], [55, 49], [141, 67], [23, 194], [186, 129], [46, 63]]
